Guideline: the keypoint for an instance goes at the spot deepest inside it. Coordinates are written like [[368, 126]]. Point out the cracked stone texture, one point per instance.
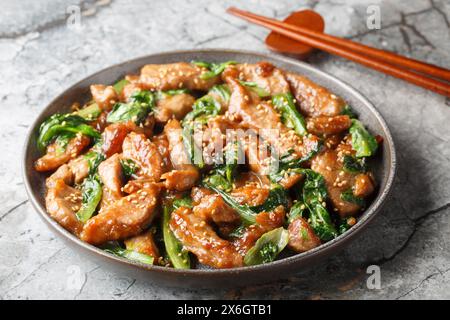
[[40, 56]]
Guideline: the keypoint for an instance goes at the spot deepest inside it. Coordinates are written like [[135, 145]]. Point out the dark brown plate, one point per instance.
[[384, 167]]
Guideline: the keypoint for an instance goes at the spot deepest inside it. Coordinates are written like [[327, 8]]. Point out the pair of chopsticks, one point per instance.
[[419, 73]]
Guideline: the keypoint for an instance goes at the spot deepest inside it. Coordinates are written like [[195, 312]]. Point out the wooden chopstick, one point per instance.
[[374, 63], [387, 56]]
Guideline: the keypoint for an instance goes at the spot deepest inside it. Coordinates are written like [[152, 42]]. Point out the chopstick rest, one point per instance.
[[305, 18]]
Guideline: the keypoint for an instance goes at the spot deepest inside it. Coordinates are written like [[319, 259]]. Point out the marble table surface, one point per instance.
[[45, 46]]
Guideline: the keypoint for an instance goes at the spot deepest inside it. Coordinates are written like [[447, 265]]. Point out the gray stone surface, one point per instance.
[[40, 56]]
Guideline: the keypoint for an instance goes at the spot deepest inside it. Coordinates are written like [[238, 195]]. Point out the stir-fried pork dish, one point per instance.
[[216, 164]]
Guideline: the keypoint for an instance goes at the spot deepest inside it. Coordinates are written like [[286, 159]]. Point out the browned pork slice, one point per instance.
[[213, 208], [62, 173], [265, 120], [250, 195], [258, 154], [363, 186], [56, 157], [145, 154], [301, 236], [217, 132], [175, 76], [109, 197], [252, 179], [262, 117], [185, 175], [123, 218], [271, 220], [198, 237], [112, 138], [173, 106], [332, 141], [62, 203], [129, 89], [313, 99], [330, 165], [325, 125], [73, 172], [265, 221], [80, 168], [247, 239], [264, 74], [181, 179], [162, 144], [143, 243], [114, 135], [133, 186], [110, 172], [198, 193], [133, 78], [178, 154], [221, 123], [104, 96]]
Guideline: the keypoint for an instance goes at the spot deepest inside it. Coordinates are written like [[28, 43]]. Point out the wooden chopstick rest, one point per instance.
[[305, 18]]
